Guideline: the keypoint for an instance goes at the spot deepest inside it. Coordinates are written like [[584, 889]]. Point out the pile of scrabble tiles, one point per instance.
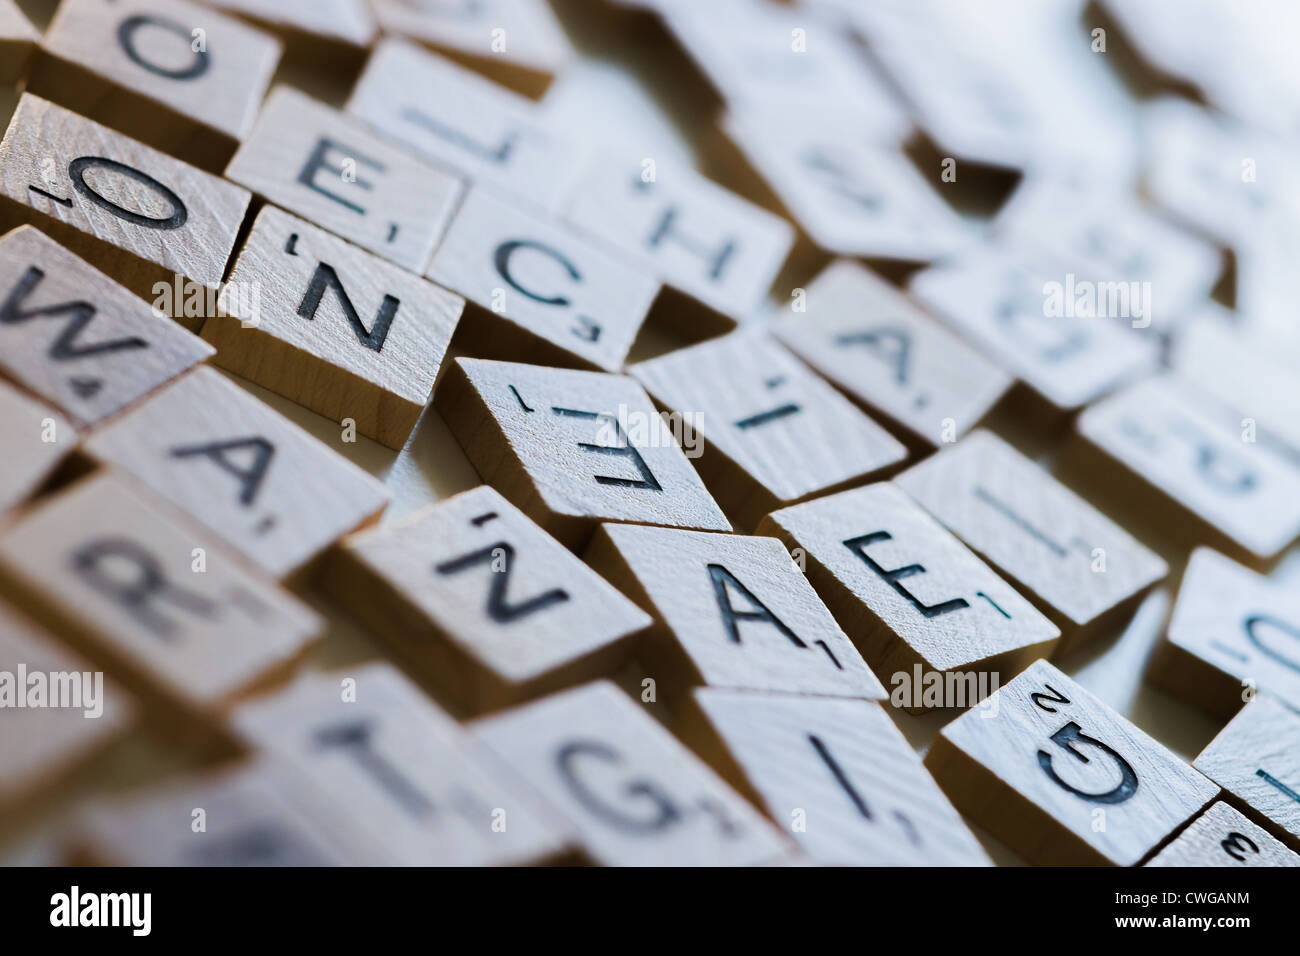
[[649, 432]]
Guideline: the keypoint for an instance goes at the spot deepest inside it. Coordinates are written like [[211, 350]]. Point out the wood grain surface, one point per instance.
[[340, 331], [730, 611], [248, 474], [573, 448], [487, 604], [1052, 770]]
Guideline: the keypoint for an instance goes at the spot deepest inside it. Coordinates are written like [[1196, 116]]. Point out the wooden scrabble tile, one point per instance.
[[1256, 382], [174, 74], [1256, 759], [1066, 357], [1232, 631], [964, 85], [402, 768], [262, 813], [78, 339], [18, 39], [1107, 236], [34, 439], [852, 198], [883, 350], [773, 432], [338, 23], [911, 596], [792, 62], [329, 168], [962, 101], [694, 235], [137, 214], [1261, 327], [1228, 181], [1062, 779], [837, 773], [1079, 567], [631, 792], [1166, 50], [250, 475], [1223, 837], [173, 615], [516, 42], [572, 449], [730, 611], [57, 711], [489, 605], [332, 327], [453, 117], [542, 293], [1168, 452], [1176, 51]]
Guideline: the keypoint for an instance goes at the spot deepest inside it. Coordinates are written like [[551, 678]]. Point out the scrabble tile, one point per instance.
[[76, 338], [174, 74], [730, 611], [481, 130], [540, 292], [888, 354], [58, 712], [137, 214], [34, 439], [1262, 330], [773, 433], [1169, 453], [1263, 320], [572, 449], [251, 476], [329, 168], [961, 99], [1177, 50], [1004, 308], [1223, 837], [489, 605], [516, 42], [341, 23], [697, 237], [837, 774], [1256, 382], [631, 792], [18, 39], [1256, 759], [1232, 631], [255, 814], [174, 616], [1062, 779], [1195, 168], [402, 768], [1104, 235], [332, 327], [965, 85], [1080, 568], [1167, 50], [850, 197], [791, 61], [911, 596]]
